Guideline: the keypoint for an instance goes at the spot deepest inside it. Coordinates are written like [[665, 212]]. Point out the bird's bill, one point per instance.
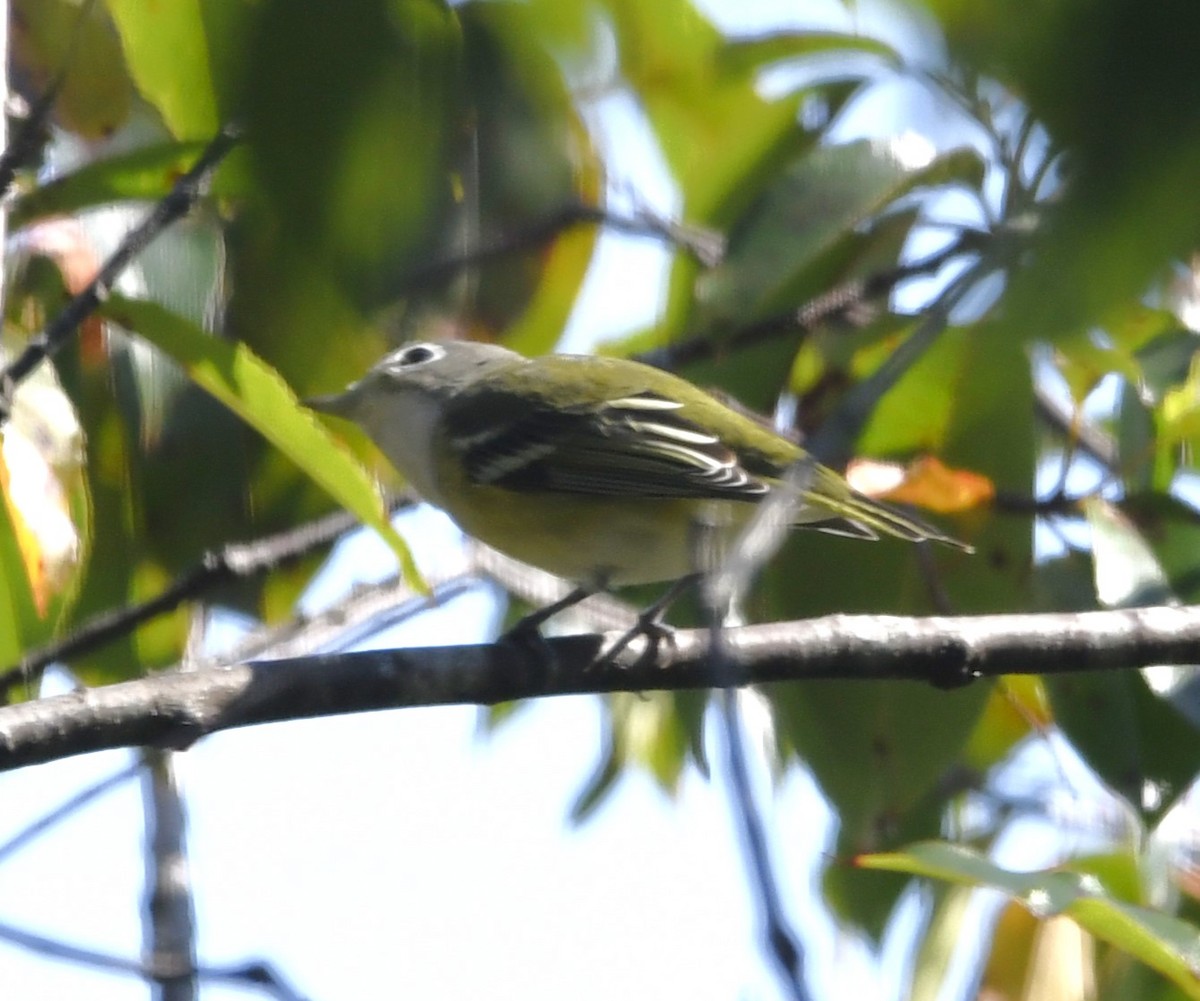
[[338, 404]]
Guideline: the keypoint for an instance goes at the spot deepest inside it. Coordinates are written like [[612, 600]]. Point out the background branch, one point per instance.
[[255, 974], [231, 562], [177, 203], [27, 835], [177, 708], [170, 913]]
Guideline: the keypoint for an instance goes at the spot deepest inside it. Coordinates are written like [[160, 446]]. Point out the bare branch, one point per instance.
[[174, 709]]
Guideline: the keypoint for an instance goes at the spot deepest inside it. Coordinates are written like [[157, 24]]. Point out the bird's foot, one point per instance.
[[649, 625]]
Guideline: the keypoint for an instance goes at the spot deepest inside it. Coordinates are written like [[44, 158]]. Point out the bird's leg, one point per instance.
[[649, 622], [526, 635], [530, 626]]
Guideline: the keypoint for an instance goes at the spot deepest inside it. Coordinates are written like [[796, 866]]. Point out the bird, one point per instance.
[[596, 469]]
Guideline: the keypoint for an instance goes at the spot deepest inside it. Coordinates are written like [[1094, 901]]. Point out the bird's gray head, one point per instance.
[[437, 369], [440, 367], [400, 402]]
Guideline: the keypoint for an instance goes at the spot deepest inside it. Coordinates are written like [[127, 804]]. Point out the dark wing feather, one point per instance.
[[637, 446]]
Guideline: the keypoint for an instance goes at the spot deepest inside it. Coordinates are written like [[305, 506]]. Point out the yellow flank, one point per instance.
[[599, 541]]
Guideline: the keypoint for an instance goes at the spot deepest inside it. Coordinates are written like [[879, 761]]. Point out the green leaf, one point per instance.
[[1166, 361], [757, 371], [746, 55], [1157, 939], [603, 779], [532, 155], [254, 391], [1127, 573], [1179, 415], [807, 212], [949, 921], [54, 35], [45, 523], [166, 50], [1132, 727], [1171, 528], [120, 571], [20, 625], [720, 138], [653, 735], [356, 114], [1129, 203], [880, 752], [713, 129], [146, 174], [1136, 442], [1132, 737]]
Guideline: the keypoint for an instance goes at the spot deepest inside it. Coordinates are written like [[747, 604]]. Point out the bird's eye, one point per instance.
[[417, 354]]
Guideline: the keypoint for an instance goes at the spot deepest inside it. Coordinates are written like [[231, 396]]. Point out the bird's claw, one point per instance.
[[649, 626]]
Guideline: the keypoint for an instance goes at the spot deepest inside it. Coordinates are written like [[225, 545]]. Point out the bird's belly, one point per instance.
[[594, 540]]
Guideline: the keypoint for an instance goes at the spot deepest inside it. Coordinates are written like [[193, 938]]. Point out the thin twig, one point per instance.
[[701, 244], [1011, 502], [370, 608], [1087, 438], [784, 943], [64, 810], [32, 131], [174, 205], [253, 974], [831, 306], [235, 561], [728, 578], [1013, 198]]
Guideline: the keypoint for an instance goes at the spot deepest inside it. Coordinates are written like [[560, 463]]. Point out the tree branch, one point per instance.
[[233, 561], [174, 709], [838, 304], [705, 246]]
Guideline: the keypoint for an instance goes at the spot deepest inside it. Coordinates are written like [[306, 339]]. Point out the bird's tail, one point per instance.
[[829, 505]]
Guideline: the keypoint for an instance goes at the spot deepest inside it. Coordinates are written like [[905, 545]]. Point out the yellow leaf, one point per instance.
[[926, 483]]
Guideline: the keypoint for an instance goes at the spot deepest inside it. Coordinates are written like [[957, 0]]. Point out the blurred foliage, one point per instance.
[[1093, 891], [387, 140]]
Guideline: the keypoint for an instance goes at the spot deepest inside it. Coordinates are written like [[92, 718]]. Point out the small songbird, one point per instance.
[[595, 469]]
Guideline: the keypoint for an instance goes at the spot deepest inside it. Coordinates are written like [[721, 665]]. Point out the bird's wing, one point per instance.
[[641, 445], [635, 446]]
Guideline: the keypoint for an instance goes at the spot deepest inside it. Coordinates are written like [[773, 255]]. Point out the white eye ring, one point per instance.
[[413, 355]]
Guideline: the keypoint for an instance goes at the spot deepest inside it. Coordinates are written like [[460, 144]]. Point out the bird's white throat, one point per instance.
[[404, 427]]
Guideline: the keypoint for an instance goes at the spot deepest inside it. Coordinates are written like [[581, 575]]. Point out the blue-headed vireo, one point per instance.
[[596, 469]]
